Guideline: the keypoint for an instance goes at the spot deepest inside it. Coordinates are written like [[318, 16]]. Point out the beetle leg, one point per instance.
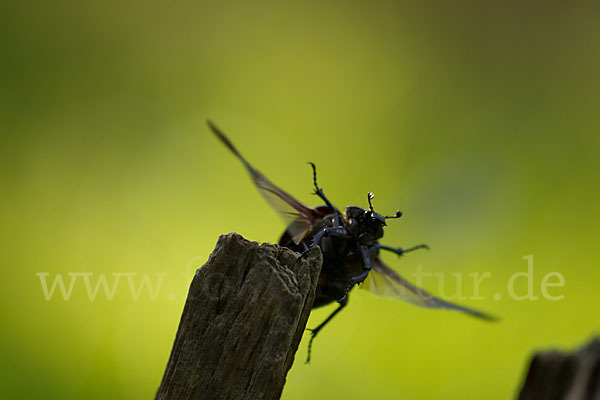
[[374, 249], [316, 330], [366, 258], [338, 231], [400, 250], [319, 192]]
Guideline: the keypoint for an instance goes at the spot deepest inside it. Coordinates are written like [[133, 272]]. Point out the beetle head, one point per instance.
[[366, 225]]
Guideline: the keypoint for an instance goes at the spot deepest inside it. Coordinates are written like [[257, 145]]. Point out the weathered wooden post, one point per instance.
[[242, 323]]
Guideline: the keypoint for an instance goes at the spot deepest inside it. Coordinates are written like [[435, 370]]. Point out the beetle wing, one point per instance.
[[384, 281], [300, 218]]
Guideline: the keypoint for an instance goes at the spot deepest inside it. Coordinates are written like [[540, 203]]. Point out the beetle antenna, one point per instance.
[[398, 215], [370, 197]]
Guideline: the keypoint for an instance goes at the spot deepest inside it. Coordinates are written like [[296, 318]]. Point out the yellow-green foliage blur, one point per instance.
[[479, 121]]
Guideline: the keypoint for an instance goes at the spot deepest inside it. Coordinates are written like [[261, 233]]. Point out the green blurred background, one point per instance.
[[478, 120]]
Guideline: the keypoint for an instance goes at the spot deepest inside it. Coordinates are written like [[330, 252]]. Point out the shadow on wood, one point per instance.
[[245, 314]]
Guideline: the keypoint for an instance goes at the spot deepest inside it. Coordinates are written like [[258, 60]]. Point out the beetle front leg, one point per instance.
[[366, 259], [338, 231], [319, 192]]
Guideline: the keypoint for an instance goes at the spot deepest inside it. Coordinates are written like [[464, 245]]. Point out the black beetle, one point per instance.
[[349, 242]]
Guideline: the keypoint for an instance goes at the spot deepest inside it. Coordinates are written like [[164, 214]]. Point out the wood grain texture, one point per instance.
[[245, 314]]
